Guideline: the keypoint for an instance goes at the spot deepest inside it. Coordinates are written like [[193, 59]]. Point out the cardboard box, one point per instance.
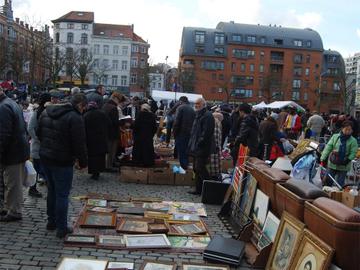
[[226, 164], [185, 179], [336, 195], [134, 175], [161, 176], [350, 200]]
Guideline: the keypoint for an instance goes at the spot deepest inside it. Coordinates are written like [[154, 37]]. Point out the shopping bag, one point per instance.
[[30, 174]]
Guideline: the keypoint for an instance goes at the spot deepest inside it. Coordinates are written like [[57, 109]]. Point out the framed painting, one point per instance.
[[133, 226], [186, 229], [158, 228], [147, 241], [286, 242], [102, 209], [312, 254], [195, 266], [98, 220], [80, 239], [248, 196], [260, 207], [157, 265], [97, 202], [120, 265], [111, 240], [270, 229], [157, 215], [79, 264], [189, 242]]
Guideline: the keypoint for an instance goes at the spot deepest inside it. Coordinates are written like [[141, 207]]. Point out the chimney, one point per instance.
[[21, 23], [132, 27], [26, 25], [31, 28], [17, 20]]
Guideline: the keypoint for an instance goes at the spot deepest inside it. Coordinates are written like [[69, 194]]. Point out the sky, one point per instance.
[[160, 22]]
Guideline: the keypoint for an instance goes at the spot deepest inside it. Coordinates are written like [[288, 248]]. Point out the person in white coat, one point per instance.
[[316, 124]]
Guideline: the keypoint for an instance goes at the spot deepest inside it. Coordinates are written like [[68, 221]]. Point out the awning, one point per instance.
[[158, 95], [283, 104]]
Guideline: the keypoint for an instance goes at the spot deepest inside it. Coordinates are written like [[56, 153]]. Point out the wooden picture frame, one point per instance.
[[146, 199], [72, 263], [157, 215], [96, 202], [111, 240], [158, 228], [80, 239], [174, 228], [286, 242], [198, 266], [147, 241], [98, 220], [101, 209], [157, 265], [312, 253], [133, 226], [120, 265]]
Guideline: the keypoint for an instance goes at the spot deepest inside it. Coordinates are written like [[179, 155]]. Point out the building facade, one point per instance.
[[103, 51], [24, 51], [156, 81], [253, 63], [351, 63]]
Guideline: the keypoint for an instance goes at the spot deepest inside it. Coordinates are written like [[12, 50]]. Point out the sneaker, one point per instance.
[[33, 192], [50, 226], [61, 233]]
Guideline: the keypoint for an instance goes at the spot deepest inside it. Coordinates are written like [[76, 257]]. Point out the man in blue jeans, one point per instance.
[[184, 119], [62, 143]]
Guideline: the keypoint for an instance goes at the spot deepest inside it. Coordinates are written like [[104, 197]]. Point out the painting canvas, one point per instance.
[[189, 242], [260, 207], [189, 229], [191, 266], [147, 241], [270, 229], [96, 202], [157, 265], [119, 265], [95, 219], [111, 240], [248, 195], [312, 254], [80, 264], [133, 226]]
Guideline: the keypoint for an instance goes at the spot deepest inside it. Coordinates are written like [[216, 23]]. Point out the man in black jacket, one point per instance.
[[97, 96], [249, 130], [62, 143], [14, 151], [184, 119], [202, 143]]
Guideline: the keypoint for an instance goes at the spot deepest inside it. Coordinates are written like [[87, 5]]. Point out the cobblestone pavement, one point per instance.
[[27, 245]]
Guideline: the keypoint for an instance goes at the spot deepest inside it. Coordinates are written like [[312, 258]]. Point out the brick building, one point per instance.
[[254, 63], [24, 50], [115, 55]]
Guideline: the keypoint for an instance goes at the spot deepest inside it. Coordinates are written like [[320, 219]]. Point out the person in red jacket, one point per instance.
[[292, 124]]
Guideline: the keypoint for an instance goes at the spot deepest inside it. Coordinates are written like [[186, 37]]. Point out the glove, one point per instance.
[[323, 163]]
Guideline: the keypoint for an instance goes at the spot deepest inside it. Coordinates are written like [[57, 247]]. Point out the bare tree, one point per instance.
[[84, 65], [100, 69], [186, 79], [17, 59]]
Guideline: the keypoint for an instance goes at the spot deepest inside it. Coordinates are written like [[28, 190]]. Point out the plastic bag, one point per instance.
[[30, 174], [317, 178]]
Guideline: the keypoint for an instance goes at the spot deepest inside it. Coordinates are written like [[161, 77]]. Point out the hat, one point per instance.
[[244, 107]]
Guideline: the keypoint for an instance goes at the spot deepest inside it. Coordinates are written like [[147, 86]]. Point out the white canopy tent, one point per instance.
[[260, 106], [158, 95], [283, 104]]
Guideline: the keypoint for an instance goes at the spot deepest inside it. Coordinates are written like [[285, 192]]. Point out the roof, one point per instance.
[[138, 38], [113, 30], [76, 16]]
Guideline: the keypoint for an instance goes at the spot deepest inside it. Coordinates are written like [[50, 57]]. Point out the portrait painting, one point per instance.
[[312, 254], [194, 266], [81, 264], [157, 265], [96, 219], [133, 226], [260, 207], [286, 242], [147, 241]]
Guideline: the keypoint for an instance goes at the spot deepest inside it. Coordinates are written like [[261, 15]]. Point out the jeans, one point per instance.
[[339, 176], [59, 181], [181, 144], [201, 172]]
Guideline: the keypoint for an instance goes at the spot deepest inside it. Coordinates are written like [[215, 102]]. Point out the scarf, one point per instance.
[[342, 147]]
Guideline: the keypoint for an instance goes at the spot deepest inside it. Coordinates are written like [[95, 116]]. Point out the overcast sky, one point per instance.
[[160, 22]]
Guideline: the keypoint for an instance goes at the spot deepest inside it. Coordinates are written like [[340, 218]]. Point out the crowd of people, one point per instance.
[[86, 131]]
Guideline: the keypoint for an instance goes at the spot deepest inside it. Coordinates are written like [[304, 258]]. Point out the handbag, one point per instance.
[[30, 174], [334, 156]]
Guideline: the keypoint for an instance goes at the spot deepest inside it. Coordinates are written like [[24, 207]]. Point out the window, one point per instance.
[[306, 84], [213, 76], [57, 37], [84, 26], [261, 68], [251, 39], [96, 49], [134, 48], [296, 84], [298, 43], [123, 81], [57, 52], [336, 86], [308, 43], [83, 53], [242, 93], [243, 67], [219, 39], [143, 49], [124, 65], [219, 50], [57, 25], [199, 50], [69, 53], [124, 50], [115, 64], [133, 78], [236, 38], [332, 58], [105, 63], [262, 55], [307, 71], [298, 58], [96, 63], [159, 85], [278, 42], [308, 58], [212, 65], [262, 40], [242, 80], [116, 49], [106, 49], [251, 54], [261, 82], [142, 63], [199, 37], [252, 67], [70, 26], [114, 79], [134, 62], [84, 39], [221, 77], [332, 71], [233, 66], [105, 80], [241, 53], [295, 95], [70, 38], [306, 96], [297, 71]]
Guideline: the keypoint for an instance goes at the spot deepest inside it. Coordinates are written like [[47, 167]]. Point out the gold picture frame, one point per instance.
[[313, 253], [286, 242]]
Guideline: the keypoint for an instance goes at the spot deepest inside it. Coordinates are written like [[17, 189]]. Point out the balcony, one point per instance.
[[277, 57]]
